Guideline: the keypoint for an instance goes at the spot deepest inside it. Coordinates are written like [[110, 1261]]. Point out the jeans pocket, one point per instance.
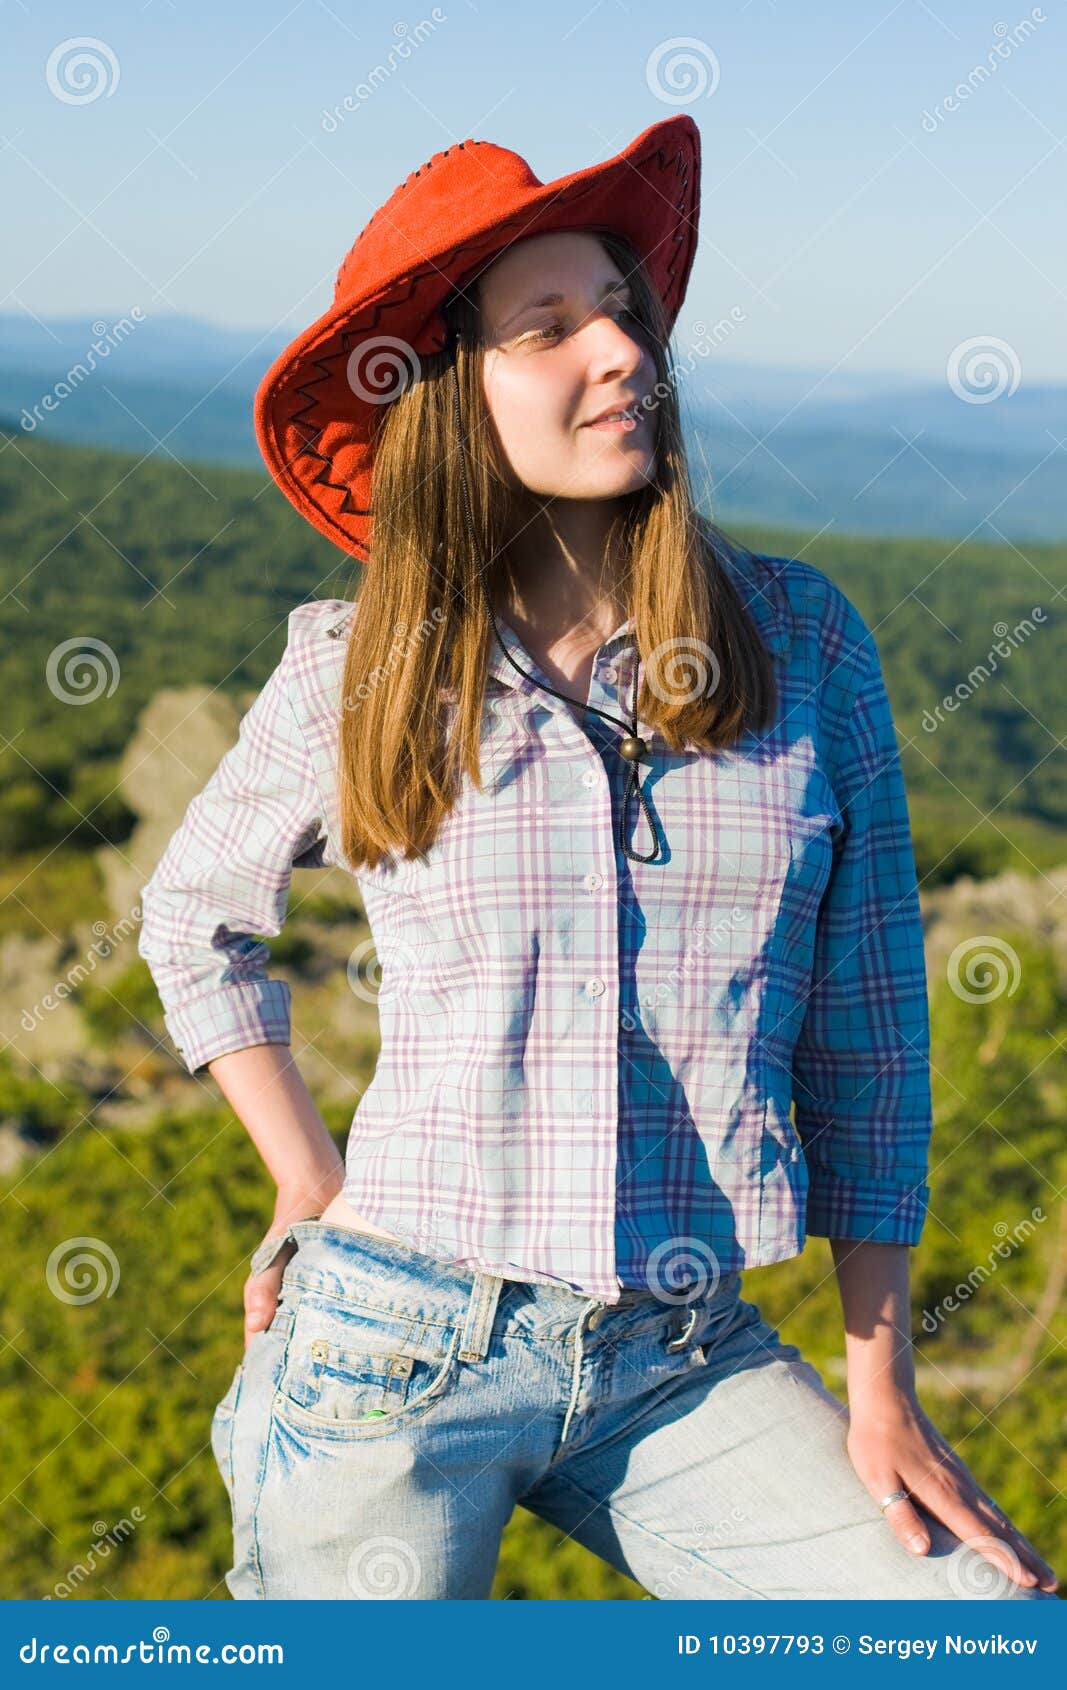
[[351, 1373], [222, 1429]]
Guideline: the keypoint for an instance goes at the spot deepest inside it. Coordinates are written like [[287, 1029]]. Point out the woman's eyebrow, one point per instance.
[[558, 299]]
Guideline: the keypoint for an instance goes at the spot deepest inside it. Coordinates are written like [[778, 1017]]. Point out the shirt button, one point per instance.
[[589, 778], [595, 986], [593, 882], [609, 674]]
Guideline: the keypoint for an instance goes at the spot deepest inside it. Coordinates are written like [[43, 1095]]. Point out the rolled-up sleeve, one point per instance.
[[224, 878], [861, 1069]]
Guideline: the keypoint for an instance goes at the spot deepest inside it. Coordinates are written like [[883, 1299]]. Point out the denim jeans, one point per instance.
[[378, 1434]]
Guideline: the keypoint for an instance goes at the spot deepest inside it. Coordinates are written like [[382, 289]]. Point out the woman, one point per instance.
[[625, 809]]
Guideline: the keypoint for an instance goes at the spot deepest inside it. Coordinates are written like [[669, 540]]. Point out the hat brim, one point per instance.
[[316, 414]]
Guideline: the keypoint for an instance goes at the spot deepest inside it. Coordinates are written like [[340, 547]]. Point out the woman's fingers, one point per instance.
[[261, 1293], [261, 1300], [904, 1519], [991, 1533], [958, 1501], [997, 1524]]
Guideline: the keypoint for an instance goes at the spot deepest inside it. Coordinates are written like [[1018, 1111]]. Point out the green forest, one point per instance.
[[186, 575]]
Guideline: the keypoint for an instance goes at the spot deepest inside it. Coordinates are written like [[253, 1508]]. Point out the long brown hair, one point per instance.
[[421, 623]]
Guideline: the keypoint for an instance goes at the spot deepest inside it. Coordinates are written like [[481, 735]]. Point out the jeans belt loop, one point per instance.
[[268, 1252], [680, 1339], [481, 1311]]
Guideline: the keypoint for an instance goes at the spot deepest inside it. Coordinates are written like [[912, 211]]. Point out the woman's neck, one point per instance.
[[560, 586]]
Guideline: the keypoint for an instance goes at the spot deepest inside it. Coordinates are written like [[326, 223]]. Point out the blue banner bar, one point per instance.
[[557, 1644]]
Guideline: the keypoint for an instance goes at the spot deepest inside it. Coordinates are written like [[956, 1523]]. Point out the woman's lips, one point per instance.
[[617, 425]]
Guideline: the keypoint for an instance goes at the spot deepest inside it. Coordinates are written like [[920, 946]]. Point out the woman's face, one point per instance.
[[563, 347]]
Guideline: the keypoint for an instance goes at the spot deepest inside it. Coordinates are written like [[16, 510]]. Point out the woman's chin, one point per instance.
[[627, 470], [627, 473]]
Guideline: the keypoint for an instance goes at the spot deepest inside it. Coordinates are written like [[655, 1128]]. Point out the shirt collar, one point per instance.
[[502, 671]]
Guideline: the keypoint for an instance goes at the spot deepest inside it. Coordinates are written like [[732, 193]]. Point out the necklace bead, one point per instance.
[[633, 749]]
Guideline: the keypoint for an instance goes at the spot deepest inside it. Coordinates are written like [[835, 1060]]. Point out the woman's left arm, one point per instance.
[[892, 1443], [863, 1107]]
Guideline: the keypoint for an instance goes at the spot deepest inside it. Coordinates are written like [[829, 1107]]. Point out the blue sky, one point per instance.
[[855, 219]]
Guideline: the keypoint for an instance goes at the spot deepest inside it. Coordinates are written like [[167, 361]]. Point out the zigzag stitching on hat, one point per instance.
[[309, 448], [301, 417]]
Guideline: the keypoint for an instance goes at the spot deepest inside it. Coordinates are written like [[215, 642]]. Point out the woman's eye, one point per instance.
[[551, 330]]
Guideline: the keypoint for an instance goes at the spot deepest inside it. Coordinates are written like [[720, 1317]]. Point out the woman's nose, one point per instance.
[[615, 347]]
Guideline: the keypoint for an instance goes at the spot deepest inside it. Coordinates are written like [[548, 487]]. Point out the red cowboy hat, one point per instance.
[[316, 407]]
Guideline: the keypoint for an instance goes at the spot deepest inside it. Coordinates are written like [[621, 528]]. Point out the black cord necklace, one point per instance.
[[632, 748]]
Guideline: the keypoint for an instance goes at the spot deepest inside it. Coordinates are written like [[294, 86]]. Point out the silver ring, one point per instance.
[[894, 1496]]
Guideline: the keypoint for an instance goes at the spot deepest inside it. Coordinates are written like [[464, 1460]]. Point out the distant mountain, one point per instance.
[[873, 481], [162, 346], [208, 421], [1032, 419], [867, 453], [167, 384]]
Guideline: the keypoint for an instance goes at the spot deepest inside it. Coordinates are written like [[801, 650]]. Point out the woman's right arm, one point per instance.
[[223, 881], [266, 1092]]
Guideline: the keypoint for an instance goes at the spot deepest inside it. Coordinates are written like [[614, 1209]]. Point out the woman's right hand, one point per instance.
[[261, 1291]]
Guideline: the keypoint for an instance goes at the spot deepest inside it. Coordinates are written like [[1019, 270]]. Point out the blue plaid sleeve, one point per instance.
[[861, 1071], [224, 878]]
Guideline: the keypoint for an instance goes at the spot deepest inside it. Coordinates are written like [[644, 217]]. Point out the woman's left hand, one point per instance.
[[893, 1445]]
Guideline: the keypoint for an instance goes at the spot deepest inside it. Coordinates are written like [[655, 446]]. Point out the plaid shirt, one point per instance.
[[587, 1063]]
